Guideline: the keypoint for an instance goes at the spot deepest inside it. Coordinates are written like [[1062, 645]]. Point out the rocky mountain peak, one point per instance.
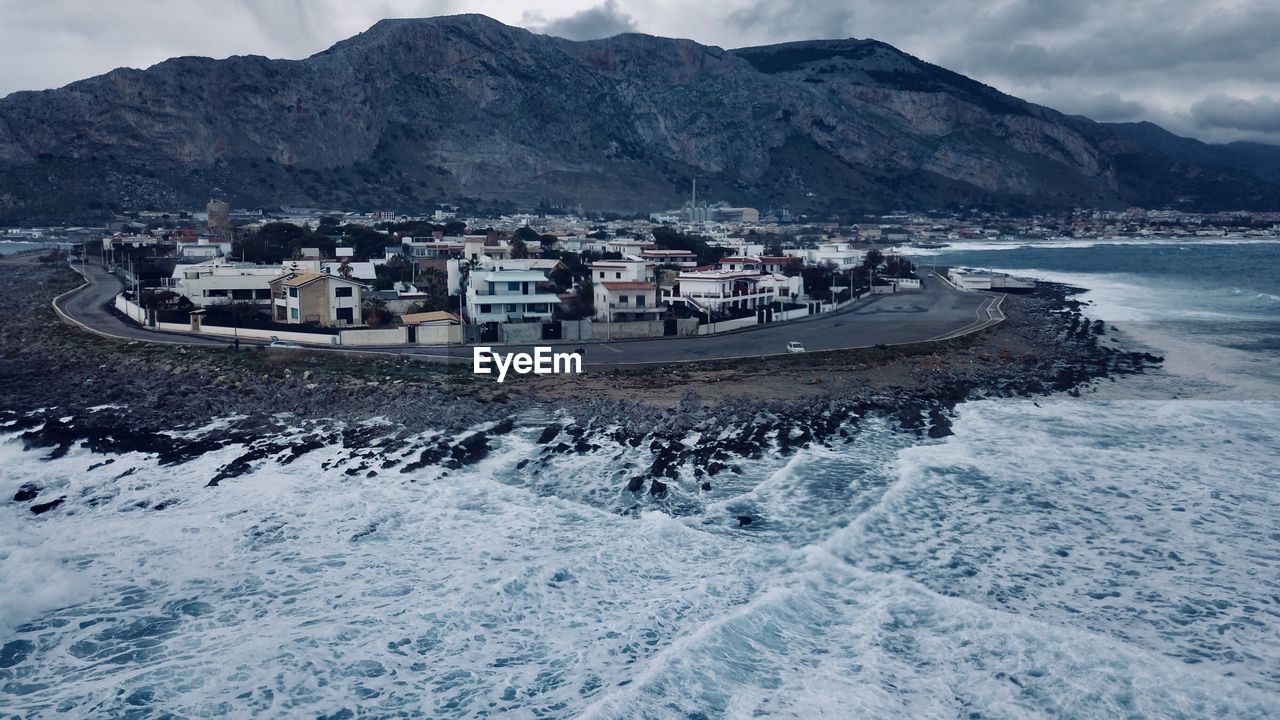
[[462, 108]]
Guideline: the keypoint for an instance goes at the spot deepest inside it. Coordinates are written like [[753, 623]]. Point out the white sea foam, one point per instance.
[[1076, 243], [298, 589]]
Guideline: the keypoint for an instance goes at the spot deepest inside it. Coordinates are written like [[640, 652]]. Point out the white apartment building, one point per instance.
[[841, 254], [630, 270], [432, 248], [677, 258], [363, 270], [627, 301], [628, 246], [510, 296], [203, 248], [216, 281], [723, 289]]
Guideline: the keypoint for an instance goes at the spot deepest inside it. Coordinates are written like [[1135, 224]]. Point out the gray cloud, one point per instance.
[[1105, 106], [1261, 114], [1174, 37], [603, 20], [797, 20]]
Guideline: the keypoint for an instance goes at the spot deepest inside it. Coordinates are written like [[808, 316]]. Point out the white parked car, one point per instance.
[[794, 347], [278, 343]]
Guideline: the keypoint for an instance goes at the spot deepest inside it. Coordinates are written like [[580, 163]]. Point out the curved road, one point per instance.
[[937, 312]]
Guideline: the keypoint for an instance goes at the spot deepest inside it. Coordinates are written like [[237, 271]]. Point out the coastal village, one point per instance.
[[321, 277]]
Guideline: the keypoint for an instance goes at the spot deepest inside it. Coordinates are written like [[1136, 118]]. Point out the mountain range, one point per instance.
[[467, 110]]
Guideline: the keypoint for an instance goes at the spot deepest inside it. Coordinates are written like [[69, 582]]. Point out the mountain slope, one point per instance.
[[413, 112]]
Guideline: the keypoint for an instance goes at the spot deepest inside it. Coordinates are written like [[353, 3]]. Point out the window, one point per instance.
[[342, 292], [486, 308], [511, 308], [513, 287], [293, 313], [622, 299], [293, 292], [617, 276], [346, 314], [639, 301]]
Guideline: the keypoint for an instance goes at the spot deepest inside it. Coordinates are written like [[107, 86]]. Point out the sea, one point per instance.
[[1112, 555], [10, 247]]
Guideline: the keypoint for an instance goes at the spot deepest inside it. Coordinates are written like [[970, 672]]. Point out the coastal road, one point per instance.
[[86, 306], [937, 312]]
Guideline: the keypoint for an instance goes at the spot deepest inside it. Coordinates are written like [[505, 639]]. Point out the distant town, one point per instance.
[[331, 277]]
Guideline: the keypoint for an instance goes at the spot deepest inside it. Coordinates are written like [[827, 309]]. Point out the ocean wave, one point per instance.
[[1042, 549], [1078, 243]]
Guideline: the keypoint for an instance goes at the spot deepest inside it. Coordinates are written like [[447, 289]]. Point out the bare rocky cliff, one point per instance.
[[463, 108]]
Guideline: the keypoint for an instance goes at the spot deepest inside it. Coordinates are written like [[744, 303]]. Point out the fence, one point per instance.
[[515, 333], [131, 310], [628, 330], [384, 336], [726, 325], [307, 338], [520, 332], [440, 334], [791, 314]]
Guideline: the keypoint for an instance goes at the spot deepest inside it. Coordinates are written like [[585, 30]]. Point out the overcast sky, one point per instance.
[[1205, 68]]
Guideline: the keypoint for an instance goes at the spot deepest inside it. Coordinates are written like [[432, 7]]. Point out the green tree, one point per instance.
[[376, 314], [669, 238], [274, 242], [873, 259]]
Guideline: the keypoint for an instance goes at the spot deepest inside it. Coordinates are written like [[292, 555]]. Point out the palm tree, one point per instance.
[[375, 312]]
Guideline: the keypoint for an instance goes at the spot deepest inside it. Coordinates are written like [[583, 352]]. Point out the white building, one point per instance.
[[970, 279], [483, 250], [736, 214], [628, 246], [630, 270], [724, 289], [582, 243], [542, 265], [363, 270], [203, 248], [841, 254], [432, 248], [740, 262], [510, 296], [677, 258], [627, 301], [217, 281]]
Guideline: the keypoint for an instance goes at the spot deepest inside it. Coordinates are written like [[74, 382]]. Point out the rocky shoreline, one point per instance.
[[66, 388]]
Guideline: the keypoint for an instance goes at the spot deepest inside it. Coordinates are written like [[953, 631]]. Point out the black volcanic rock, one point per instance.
[[413, 112], [26, 493], [43, 508]]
